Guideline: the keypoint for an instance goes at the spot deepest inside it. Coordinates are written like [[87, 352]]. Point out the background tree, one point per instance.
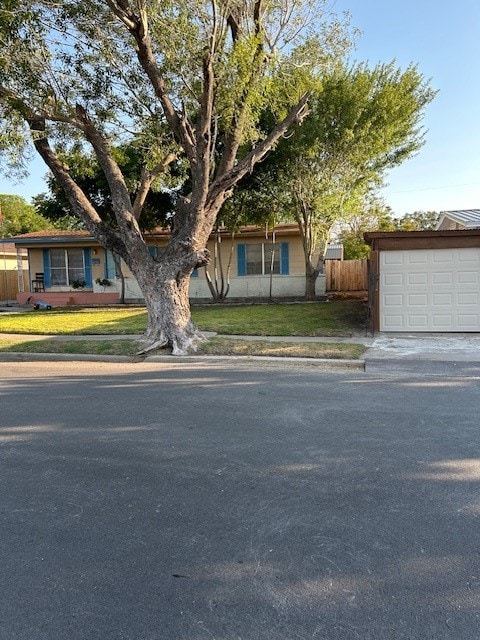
[[85, 170], [17, 217], [375, 216], [182, 80], [362, 122], [419, 221]]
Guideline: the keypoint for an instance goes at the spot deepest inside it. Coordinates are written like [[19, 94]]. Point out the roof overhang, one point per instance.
[[399, 240], [38, 239]]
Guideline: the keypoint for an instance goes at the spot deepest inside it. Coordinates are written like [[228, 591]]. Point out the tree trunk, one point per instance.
[[169, 316], [311, 275]]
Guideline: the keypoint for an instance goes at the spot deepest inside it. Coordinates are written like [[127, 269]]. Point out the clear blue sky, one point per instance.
[[443, 39]]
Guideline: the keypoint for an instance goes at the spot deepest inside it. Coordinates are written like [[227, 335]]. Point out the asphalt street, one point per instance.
[[235, 501]]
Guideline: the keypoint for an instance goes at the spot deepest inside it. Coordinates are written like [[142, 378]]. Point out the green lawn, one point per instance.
[[336, 318]]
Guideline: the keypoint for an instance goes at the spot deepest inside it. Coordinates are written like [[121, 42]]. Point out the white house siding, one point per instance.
[[259, 287]]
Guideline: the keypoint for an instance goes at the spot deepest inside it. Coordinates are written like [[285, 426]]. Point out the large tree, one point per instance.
[[185, 81], [362, 122]]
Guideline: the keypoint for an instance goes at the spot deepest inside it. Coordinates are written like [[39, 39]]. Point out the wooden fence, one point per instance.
[[346, 275], [9, 284]]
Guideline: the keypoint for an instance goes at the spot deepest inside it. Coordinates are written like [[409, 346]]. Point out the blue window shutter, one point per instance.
[[88, 267], [241, 260], [46, 268], [284, 260], [109, 272]]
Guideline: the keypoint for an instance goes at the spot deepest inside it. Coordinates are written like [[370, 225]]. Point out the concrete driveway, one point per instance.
[[199, 502], [440, 354]]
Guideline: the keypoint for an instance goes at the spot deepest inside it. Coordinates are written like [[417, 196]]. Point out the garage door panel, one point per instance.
[[468, 322], [468, 277], [417, 257], [417, 299], [393, 279], [469, 299], [394, 323], [468, 255], [442, 256], [395, 300], [417, 322], [442, 322], [442, 299], [442, 277], [393, 257], [437, 290], [420, 279]]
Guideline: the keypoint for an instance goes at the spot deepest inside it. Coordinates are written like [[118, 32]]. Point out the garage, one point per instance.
[[424, 281]]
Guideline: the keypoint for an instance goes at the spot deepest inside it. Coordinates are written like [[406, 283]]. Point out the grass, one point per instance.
[[93, 347], [214, 346], [336, 318], [226, 346], [340, 318], [76, 322]]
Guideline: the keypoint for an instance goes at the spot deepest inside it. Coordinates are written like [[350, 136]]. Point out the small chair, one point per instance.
[[38, 283]]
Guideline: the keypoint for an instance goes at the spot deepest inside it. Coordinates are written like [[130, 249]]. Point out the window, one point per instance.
[[64, 266], [110, 269], [262, 259]]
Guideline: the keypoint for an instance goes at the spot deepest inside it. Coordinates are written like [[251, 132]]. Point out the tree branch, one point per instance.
[[79, 202], [122, 205], [232, 141], [230, 178], [146, 180], [138, 28]]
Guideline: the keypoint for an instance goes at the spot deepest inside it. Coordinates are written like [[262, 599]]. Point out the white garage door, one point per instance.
[[430, 290]]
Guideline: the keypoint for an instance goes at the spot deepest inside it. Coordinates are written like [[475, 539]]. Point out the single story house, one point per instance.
[[424, 281], [70, 267], [460, 219]]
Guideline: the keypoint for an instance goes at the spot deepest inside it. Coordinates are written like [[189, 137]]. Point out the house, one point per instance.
[[461, 219], [425, 281], [70, 267]]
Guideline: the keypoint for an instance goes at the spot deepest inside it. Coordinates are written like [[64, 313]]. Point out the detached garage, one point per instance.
[[424, 281]]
